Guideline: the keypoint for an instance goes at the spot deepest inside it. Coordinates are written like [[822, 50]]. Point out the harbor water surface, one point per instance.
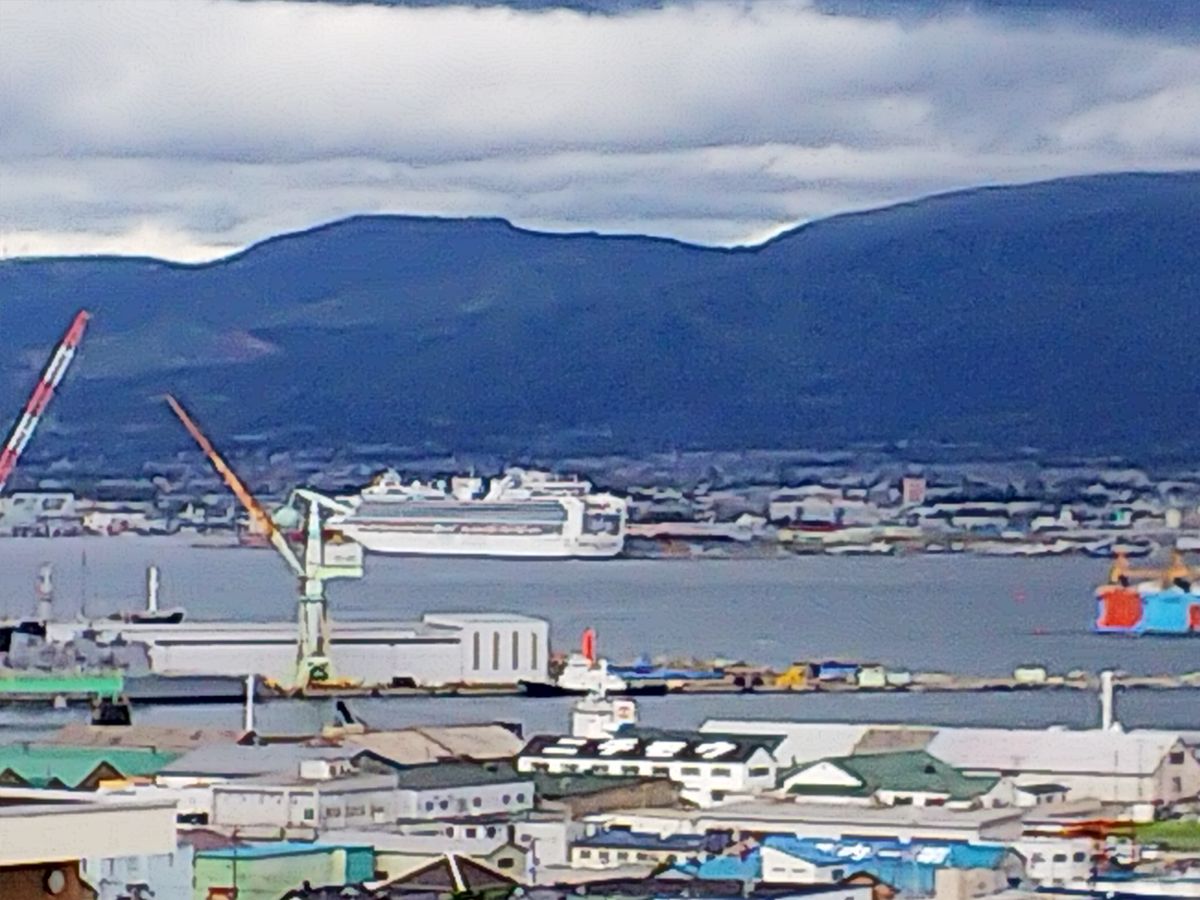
[[957, 613]]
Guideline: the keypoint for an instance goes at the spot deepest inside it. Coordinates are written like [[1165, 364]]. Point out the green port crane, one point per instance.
[[325, 558]]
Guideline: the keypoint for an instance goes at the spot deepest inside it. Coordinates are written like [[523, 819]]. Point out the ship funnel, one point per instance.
[[44, 589], [152, 589], [587, 645]]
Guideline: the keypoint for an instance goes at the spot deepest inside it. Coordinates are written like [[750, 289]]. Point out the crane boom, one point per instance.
[[51, 378], [257, 514], [1177, 569]]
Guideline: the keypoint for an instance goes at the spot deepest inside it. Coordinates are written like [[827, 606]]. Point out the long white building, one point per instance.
[[1142, 770], [441, 649]]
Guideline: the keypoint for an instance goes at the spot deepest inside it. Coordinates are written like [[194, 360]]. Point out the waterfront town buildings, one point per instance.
[[735, 808], [752, 502]]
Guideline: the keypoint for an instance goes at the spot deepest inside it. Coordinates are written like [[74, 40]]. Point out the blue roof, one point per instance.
[[277, 848], [638, 840], [730, 867], [907, 867]]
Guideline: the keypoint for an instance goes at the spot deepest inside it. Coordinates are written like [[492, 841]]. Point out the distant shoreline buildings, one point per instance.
[[849, 507]]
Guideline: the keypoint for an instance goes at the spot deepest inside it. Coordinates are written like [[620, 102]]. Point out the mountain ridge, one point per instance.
[[960, 316]]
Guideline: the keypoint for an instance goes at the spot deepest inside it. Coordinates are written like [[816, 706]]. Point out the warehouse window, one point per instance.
[[533, 650], [516, 642], [721, 772], [496, 651], [476, 661], [759, 771]]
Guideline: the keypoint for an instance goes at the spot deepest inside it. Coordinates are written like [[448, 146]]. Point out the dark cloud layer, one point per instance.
[[194, 128]]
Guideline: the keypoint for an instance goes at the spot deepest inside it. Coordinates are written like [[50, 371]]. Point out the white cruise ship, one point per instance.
[[520, 514]]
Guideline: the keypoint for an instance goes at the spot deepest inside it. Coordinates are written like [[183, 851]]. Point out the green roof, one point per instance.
[[41, 766], [432, 776], [108, 684], [911, 771]]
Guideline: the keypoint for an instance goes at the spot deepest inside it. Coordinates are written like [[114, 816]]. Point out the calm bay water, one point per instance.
[[958, 614]]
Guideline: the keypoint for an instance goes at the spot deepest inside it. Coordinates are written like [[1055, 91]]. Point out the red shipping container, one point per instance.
[[1120, 608]]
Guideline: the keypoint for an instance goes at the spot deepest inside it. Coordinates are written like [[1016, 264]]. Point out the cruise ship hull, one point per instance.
[[400, 543]]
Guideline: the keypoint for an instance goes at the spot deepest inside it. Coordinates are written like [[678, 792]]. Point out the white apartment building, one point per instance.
[[711, 768]]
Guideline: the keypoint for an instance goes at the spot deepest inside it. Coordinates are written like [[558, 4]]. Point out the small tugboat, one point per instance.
[[584, 673]]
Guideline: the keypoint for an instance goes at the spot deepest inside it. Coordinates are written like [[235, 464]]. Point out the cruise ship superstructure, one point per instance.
[[522, 513]]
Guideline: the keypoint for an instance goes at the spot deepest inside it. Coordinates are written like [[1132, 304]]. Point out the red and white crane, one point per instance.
[[52, 377]]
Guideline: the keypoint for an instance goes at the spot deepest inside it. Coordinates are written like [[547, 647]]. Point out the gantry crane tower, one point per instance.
[[323, 559], [1121, 573], [51, 378]]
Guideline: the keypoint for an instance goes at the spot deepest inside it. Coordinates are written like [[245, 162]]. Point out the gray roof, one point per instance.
[[349, 781], [234, 761], [1060, 752], [414, 746], [154, 737]]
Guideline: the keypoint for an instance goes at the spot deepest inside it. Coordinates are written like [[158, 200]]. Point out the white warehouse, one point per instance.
[[441, 649]]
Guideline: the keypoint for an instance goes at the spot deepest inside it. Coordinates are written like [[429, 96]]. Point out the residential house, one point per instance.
[[887, 779], [1142, 770], [446, 878]]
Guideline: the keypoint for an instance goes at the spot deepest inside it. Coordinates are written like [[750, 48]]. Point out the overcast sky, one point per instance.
[[190, 128]]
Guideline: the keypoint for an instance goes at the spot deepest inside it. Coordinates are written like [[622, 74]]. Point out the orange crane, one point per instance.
[[314, 668]]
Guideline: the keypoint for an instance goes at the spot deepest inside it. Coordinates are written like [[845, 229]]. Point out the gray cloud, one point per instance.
[[193, 128]]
